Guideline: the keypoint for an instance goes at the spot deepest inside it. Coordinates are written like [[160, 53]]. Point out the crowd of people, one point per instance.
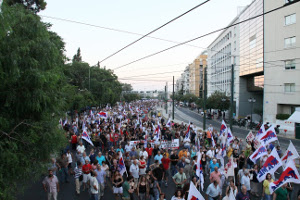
[[120, 150]]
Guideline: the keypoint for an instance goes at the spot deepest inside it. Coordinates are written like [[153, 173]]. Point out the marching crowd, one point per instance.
[[131, 151]]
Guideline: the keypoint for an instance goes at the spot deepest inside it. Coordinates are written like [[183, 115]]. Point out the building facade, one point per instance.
[[196, 74], [222, 54], [282, 59]]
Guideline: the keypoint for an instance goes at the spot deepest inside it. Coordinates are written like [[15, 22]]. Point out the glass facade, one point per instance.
[[251, 41]]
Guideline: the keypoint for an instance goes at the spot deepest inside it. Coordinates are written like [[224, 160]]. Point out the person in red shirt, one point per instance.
[[86, 170], [166, 163], [74, 141], [149, 150]]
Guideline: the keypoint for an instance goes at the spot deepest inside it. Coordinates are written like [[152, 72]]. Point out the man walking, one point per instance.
[[51, 185]]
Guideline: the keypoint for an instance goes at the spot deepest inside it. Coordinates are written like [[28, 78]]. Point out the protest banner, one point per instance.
[[165, 144]]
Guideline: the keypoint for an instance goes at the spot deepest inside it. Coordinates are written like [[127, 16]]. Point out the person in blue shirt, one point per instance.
[[120, 149], [213, 164], [158, 157], [100, 158]]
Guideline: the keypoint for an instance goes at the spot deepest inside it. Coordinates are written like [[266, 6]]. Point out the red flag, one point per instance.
[[110, 138]]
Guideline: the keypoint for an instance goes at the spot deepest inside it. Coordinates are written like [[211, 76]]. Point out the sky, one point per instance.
[[133, 17]]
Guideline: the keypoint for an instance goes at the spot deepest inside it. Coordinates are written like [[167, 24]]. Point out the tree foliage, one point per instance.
[[36, 88], [218, 100], [34, 5], [130, 97], [126, 87], [31, 96]]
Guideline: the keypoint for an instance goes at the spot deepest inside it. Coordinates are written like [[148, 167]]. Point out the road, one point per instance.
[[186, 115], [35, 192]]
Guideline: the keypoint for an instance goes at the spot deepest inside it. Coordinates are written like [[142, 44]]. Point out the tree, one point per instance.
[[126, 87], [34, 5], [77, 57], [31, 97], [218, 100]]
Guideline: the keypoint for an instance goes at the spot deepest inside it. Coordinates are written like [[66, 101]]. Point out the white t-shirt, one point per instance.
[[69, 156], [80, 148], [210, 153], [93, 181], [246, 181], [134, 169]]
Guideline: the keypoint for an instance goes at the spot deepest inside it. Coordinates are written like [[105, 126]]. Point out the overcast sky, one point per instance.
[[138, 16]]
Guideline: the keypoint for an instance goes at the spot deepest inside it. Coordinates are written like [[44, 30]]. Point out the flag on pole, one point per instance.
[[168, 123], [223, 128], [102, 114], [157, 133], [290, 154], [187, 134], [86, 137], [213, 141], [199, 171], [261, 151], [289, 175], [261, 131], [122, 167], [229, 136], [269, 136], [272, 163], [194, 194]]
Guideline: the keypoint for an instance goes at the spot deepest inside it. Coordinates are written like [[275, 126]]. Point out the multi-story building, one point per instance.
[[186, 81], [281, 59], [178, 85], [196, 74], [222, 54]]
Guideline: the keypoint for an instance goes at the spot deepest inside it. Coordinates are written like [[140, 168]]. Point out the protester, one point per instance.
[[51, 185]]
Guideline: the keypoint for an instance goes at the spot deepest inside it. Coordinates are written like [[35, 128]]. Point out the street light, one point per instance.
[[251, 101]]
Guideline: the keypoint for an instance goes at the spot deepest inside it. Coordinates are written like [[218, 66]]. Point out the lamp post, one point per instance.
[[251, 101], [223, 100]]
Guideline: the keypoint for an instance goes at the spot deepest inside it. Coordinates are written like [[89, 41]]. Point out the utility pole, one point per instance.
[[166, 99], [231, 98], [89, 78], [173, 99], [204, 99]]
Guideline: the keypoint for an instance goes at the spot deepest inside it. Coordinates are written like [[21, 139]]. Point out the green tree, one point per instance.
[[126, 87], [32, 94], [34, 5], [77, 57], [218, 100]]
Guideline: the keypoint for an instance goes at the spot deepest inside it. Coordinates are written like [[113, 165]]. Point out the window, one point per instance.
[[289, 42], [290, 19], [290, 64], [234, 45], [289, 87], [252, 41]]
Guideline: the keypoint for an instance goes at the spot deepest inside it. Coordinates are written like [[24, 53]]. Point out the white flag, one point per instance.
[[290, 154], [194, 194], [289, 175], [272, 163]]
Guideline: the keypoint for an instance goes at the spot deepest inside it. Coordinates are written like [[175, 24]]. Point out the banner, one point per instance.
[[229, 168], [229, 137], [250, 137], [165, 144], [290, 154], [271, 165], [261, 151], [261, 131], [223, 128], [256, 143], [199, 171], [269, 136], [289, 175], [194, 194]]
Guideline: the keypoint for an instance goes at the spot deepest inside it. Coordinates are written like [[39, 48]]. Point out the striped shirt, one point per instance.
[[78, 172]]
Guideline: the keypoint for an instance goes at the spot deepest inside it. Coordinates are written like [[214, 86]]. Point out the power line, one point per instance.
[[212, 32], [172, 20]]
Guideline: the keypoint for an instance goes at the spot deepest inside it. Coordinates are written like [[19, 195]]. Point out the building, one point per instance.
[[196, 75], [281, 59], [222, 54], [251, 63]]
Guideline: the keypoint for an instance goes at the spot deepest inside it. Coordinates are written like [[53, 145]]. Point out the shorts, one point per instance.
[[167, 173], [86, 177], [118, 190]]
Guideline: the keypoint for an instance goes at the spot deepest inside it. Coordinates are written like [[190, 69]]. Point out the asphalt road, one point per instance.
[[184, 114], [34, 190]]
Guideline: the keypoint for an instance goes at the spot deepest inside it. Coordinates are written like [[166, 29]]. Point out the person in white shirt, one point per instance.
[[134, 170], [246, 180], [94, 186], [127, 147], [223, 139], [80, 147], [211, 153]]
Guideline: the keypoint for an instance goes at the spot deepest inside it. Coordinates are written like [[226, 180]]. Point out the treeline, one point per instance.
[[37, 88]]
